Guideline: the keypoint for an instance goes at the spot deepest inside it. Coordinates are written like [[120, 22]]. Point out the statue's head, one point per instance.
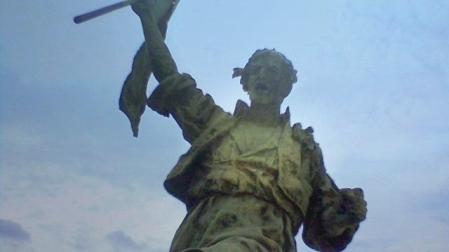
[[268, 76]]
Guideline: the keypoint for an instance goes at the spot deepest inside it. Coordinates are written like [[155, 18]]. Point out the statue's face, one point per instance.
[[266, 82]]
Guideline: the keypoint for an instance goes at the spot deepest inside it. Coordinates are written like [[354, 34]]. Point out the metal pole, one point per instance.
[[98, 12]]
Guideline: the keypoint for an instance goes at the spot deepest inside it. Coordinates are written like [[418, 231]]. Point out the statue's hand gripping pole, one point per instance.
[[101, 11]]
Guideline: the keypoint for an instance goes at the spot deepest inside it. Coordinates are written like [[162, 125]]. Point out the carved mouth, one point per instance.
[[262, 88]]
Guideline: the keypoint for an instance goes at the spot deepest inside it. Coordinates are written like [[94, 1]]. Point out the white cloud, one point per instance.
[[122, 242], [17, 135], [68, 212]]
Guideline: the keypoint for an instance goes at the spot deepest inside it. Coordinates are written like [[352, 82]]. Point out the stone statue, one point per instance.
[[249, 180]]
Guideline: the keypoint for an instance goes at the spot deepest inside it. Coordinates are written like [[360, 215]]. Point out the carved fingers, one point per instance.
[[347, 210], [143, 8]]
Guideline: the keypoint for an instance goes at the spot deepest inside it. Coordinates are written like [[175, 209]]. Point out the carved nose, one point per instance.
[[263, 71]]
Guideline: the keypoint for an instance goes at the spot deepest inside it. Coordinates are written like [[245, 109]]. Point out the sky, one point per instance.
[[373, 83]]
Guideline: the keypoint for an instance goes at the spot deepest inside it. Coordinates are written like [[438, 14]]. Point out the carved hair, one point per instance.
[[289, 71]]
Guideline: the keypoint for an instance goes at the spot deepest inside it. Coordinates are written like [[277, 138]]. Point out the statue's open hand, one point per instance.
[[354, 203], [143, 8], [347, 214]]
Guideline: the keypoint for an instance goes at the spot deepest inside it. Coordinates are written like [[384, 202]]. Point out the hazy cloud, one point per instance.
[[12, 230], [74, 212], [13, 237], [122, 242]]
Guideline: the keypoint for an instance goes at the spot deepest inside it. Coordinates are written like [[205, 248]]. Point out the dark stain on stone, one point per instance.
[[228, 219]]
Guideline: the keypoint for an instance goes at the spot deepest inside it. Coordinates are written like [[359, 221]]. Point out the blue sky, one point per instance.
[[373, 82]]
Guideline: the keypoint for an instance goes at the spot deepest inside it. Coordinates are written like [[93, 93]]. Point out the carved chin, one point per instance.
[[262, 98]]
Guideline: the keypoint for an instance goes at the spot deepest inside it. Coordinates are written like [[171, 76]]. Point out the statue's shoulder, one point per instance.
[[241, 108], [304, 136]]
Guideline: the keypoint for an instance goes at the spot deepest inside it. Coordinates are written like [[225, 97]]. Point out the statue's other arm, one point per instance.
[[176, 94], [334, 214]]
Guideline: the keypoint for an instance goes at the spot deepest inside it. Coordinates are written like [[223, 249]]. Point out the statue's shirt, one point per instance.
[[250, 145], [243, 161], [246, 161]]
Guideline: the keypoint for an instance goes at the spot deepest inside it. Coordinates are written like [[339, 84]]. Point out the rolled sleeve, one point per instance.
[[179, 97], [334, 214]]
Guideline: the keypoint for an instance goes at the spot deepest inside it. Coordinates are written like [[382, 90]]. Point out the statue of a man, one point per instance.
[[250, 179]]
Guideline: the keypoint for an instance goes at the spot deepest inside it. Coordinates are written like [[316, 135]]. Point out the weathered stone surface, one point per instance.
[[250, 179]]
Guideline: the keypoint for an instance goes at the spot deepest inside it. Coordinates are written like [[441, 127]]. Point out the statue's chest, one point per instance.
[[249, 140]]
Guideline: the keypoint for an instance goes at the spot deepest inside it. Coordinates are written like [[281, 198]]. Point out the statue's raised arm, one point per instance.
[[133, 97], [161, 60], [176, 94]]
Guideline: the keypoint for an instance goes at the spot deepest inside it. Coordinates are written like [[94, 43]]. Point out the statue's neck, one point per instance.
[[264, 113]]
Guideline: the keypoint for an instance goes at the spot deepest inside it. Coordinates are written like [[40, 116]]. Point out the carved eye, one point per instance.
[[255, 69], [273, 70]]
